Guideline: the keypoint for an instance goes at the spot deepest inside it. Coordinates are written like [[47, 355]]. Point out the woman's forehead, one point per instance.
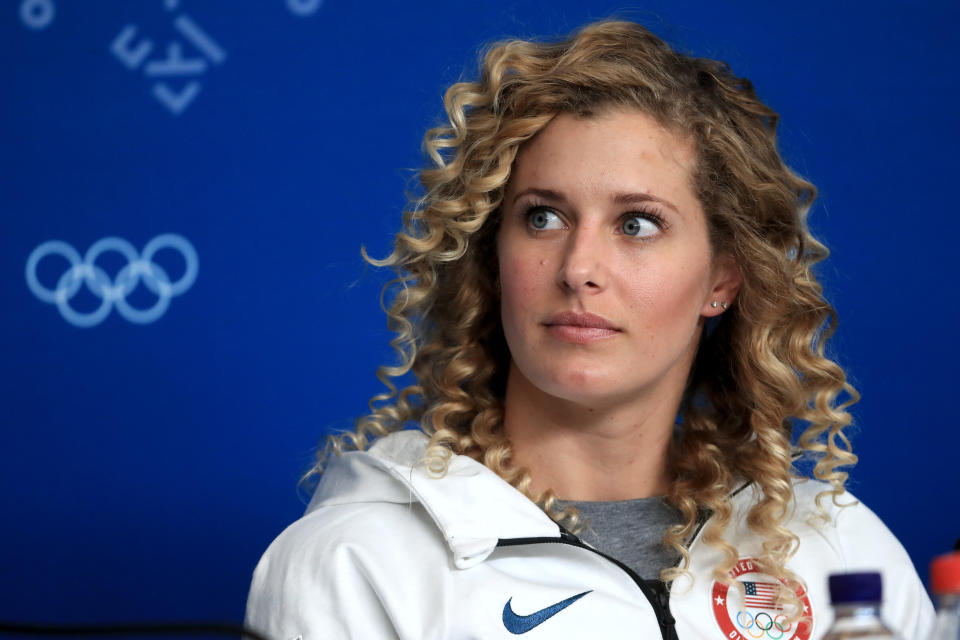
[[616, 153]]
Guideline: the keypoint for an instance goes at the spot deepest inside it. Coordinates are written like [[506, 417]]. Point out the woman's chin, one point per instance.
[[588, 391]]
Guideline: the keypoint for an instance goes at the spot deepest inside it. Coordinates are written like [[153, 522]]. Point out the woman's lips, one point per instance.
[[580, 328]]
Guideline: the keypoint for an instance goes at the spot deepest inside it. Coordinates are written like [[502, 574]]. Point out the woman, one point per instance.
[[605, 295]]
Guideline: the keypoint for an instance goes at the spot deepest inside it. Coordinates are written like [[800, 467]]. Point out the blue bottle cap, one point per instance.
[[847, 588]]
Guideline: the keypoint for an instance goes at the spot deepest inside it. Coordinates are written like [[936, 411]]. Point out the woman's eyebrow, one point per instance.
[[625, 199], [639, 198], [546, 194]]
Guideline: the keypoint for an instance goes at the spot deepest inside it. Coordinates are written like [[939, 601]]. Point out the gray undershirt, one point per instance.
[[630, 531]]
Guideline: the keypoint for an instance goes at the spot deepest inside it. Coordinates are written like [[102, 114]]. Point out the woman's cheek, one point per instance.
[[523, 277]]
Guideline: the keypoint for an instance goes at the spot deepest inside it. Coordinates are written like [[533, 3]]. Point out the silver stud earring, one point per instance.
[[724, 304], [714, 304]]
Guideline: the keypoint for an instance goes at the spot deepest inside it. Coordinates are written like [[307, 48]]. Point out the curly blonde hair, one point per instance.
[[760, 372]]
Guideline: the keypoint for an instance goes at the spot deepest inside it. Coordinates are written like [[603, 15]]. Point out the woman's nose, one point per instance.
[[583, 267]]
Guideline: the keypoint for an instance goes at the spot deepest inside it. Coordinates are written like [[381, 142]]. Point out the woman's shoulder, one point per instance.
[[835, 532], [842, 520], [853, 527], [372, 532], [340, 569]]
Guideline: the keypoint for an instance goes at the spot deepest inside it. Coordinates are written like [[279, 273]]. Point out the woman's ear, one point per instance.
[[725, 285]]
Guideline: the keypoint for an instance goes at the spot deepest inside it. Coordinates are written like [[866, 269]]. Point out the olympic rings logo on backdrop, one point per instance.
[[113, 293], [37, 14], [303, 8]]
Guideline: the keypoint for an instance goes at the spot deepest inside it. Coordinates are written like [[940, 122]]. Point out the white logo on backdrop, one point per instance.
[[303, 7], [176, 70], [37, 14], [176, 76], [113, 293]]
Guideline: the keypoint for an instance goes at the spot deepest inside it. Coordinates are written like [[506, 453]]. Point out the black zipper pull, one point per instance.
[[661, 596]]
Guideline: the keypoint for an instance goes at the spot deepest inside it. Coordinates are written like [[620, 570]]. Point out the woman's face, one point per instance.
[[605, 261]]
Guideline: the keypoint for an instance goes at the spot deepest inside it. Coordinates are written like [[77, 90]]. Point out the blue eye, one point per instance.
[[639, 226], [542, 219]]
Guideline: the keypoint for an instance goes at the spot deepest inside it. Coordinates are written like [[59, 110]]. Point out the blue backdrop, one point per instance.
[[151, 448]]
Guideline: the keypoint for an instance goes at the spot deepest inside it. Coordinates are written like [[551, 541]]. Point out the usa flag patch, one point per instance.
[[756, 615]]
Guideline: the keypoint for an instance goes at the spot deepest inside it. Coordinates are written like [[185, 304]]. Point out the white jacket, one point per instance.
[[386, 551]]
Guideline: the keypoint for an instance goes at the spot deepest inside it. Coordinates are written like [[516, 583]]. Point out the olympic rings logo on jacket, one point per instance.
[[113, 293]]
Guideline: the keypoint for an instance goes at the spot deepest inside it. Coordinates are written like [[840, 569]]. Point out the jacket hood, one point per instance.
[[469, 505]]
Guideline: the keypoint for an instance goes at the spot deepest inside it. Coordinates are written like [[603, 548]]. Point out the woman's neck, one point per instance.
[[617, 451]]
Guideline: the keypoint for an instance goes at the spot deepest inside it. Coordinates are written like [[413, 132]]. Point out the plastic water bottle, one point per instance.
[[945, 582], [856, 599]]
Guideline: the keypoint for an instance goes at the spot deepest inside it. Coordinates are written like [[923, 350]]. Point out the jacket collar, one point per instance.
[[472, 506]]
